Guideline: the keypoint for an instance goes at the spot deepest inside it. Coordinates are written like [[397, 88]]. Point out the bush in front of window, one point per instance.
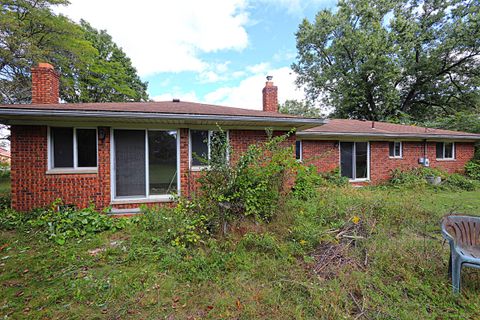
[[252, 186]]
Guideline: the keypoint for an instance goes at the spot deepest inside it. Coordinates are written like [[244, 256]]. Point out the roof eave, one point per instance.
[[23, 114], [310, 134]]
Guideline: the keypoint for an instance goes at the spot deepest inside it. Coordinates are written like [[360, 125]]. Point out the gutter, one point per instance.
[[312, 134], [7, 113]]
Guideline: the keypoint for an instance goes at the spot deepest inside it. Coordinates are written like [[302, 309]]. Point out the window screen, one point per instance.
[[395, 149], [87, 147], [439, 150], [130, 163], [162, 162], [62, 141], [298, 150], [199, 145], [346, 159], [448, 153], [361, 160]]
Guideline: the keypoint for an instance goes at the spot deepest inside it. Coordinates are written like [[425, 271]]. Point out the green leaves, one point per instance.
[[376, 60], [93, 68]]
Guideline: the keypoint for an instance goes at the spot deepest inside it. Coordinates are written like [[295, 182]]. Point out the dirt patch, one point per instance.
[[330, 258]]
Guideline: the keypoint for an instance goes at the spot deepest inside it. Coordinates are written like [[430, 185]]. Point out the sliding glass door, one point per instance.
[[145, 163], [354, 160], [130, 163]]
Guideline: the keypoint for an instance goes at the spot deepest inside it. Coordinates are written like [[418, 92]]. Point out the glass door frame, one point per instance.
[[354, 161], [148, 197]]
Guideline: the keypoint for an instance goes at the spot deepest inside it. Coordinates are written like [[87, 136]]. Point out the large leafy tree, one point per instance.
[[378, 59], [92, 67]]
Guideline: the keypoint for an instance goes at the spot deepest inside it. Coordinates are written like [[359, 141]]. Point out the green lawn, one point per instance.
[[262, 271]]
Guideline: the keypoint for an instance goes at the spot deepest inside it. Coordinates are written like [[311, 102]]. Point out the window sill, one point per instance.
[[445, 160], [199, 168], [141, 200], [396, 158], [72, 171], [358, 180]]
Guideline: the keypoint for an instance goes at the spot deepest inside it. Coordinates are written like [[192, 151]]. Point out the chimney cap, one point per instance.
[[269, 78]]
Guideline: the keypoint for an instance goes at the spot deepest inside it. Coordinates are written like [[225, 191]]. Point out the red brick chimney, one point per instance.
[[45, 84], [270, 96]]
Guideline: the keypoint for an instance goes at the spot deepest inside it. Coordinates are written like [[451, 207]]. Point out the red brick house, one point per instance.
[[123, 155], [367, 152]]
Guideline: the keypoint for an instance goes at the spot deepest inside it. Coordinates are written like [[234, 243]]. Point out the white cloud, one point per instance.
[[259, 68], [167, 36], [248, 94], [190, 96], [296, 7]]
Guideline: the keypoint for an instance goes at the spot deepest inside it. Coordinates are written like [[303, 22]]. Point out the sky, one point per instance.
[[209, 51]]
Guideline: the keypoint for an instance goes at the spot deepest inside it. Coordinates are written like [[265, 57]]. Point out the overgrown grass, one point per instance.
[[258, 270]]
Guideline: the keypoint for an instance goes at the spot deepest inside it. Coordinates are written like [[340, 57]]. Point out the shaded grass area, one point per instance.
[[261, 271], [4, 185]]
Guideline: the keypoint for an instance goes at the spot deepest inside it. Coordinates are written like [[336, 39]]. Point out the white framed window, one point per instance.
[[445, 150], [200, 147], [144, 164], [72, 148], [298, 150], [355, 160], [395, 149]]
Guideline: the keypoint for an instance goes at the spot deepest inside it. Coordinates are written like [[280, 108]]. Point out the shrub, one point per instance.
[[472, 169], [308, 180], [182, 226], [414, 177], [60, 223], [458, 182], [11, 219], [252, 185]]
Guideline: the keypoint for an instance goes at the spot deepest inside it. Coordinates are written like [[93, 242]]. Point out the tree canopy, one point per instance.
[[300, 108], [92, 67], [381, 59]]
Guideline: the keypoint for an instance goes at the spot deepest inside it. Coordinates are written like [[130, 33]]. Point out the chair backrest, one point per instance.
[[465, 230]]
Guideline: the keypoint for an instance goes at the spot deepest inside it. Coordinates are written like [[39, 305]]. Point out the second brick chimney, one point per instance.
[[45, 84], [270, 96]]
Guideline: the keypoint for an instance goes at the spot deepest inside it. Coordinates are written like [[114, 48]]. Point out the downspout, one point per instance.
[[424, 151]]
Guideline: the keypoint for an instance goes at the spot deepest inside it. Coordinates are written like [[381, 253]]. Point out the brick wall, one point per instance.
[[32, 187], [325, 156]]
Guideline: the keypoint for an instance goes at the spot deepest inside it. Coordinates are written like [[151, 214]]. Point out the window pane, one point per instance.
[[199, 146], [130, 163], [346, 159], [218, 147], [448, 150], [87, 147], [391, 149], [439, 150], [62, 141], [398, 147], [361, 153], [298, 150], [162, 160]]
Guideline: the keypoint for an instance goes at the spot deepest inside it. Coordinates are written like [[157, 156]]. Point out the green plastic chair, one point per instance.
[[463, 235]]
